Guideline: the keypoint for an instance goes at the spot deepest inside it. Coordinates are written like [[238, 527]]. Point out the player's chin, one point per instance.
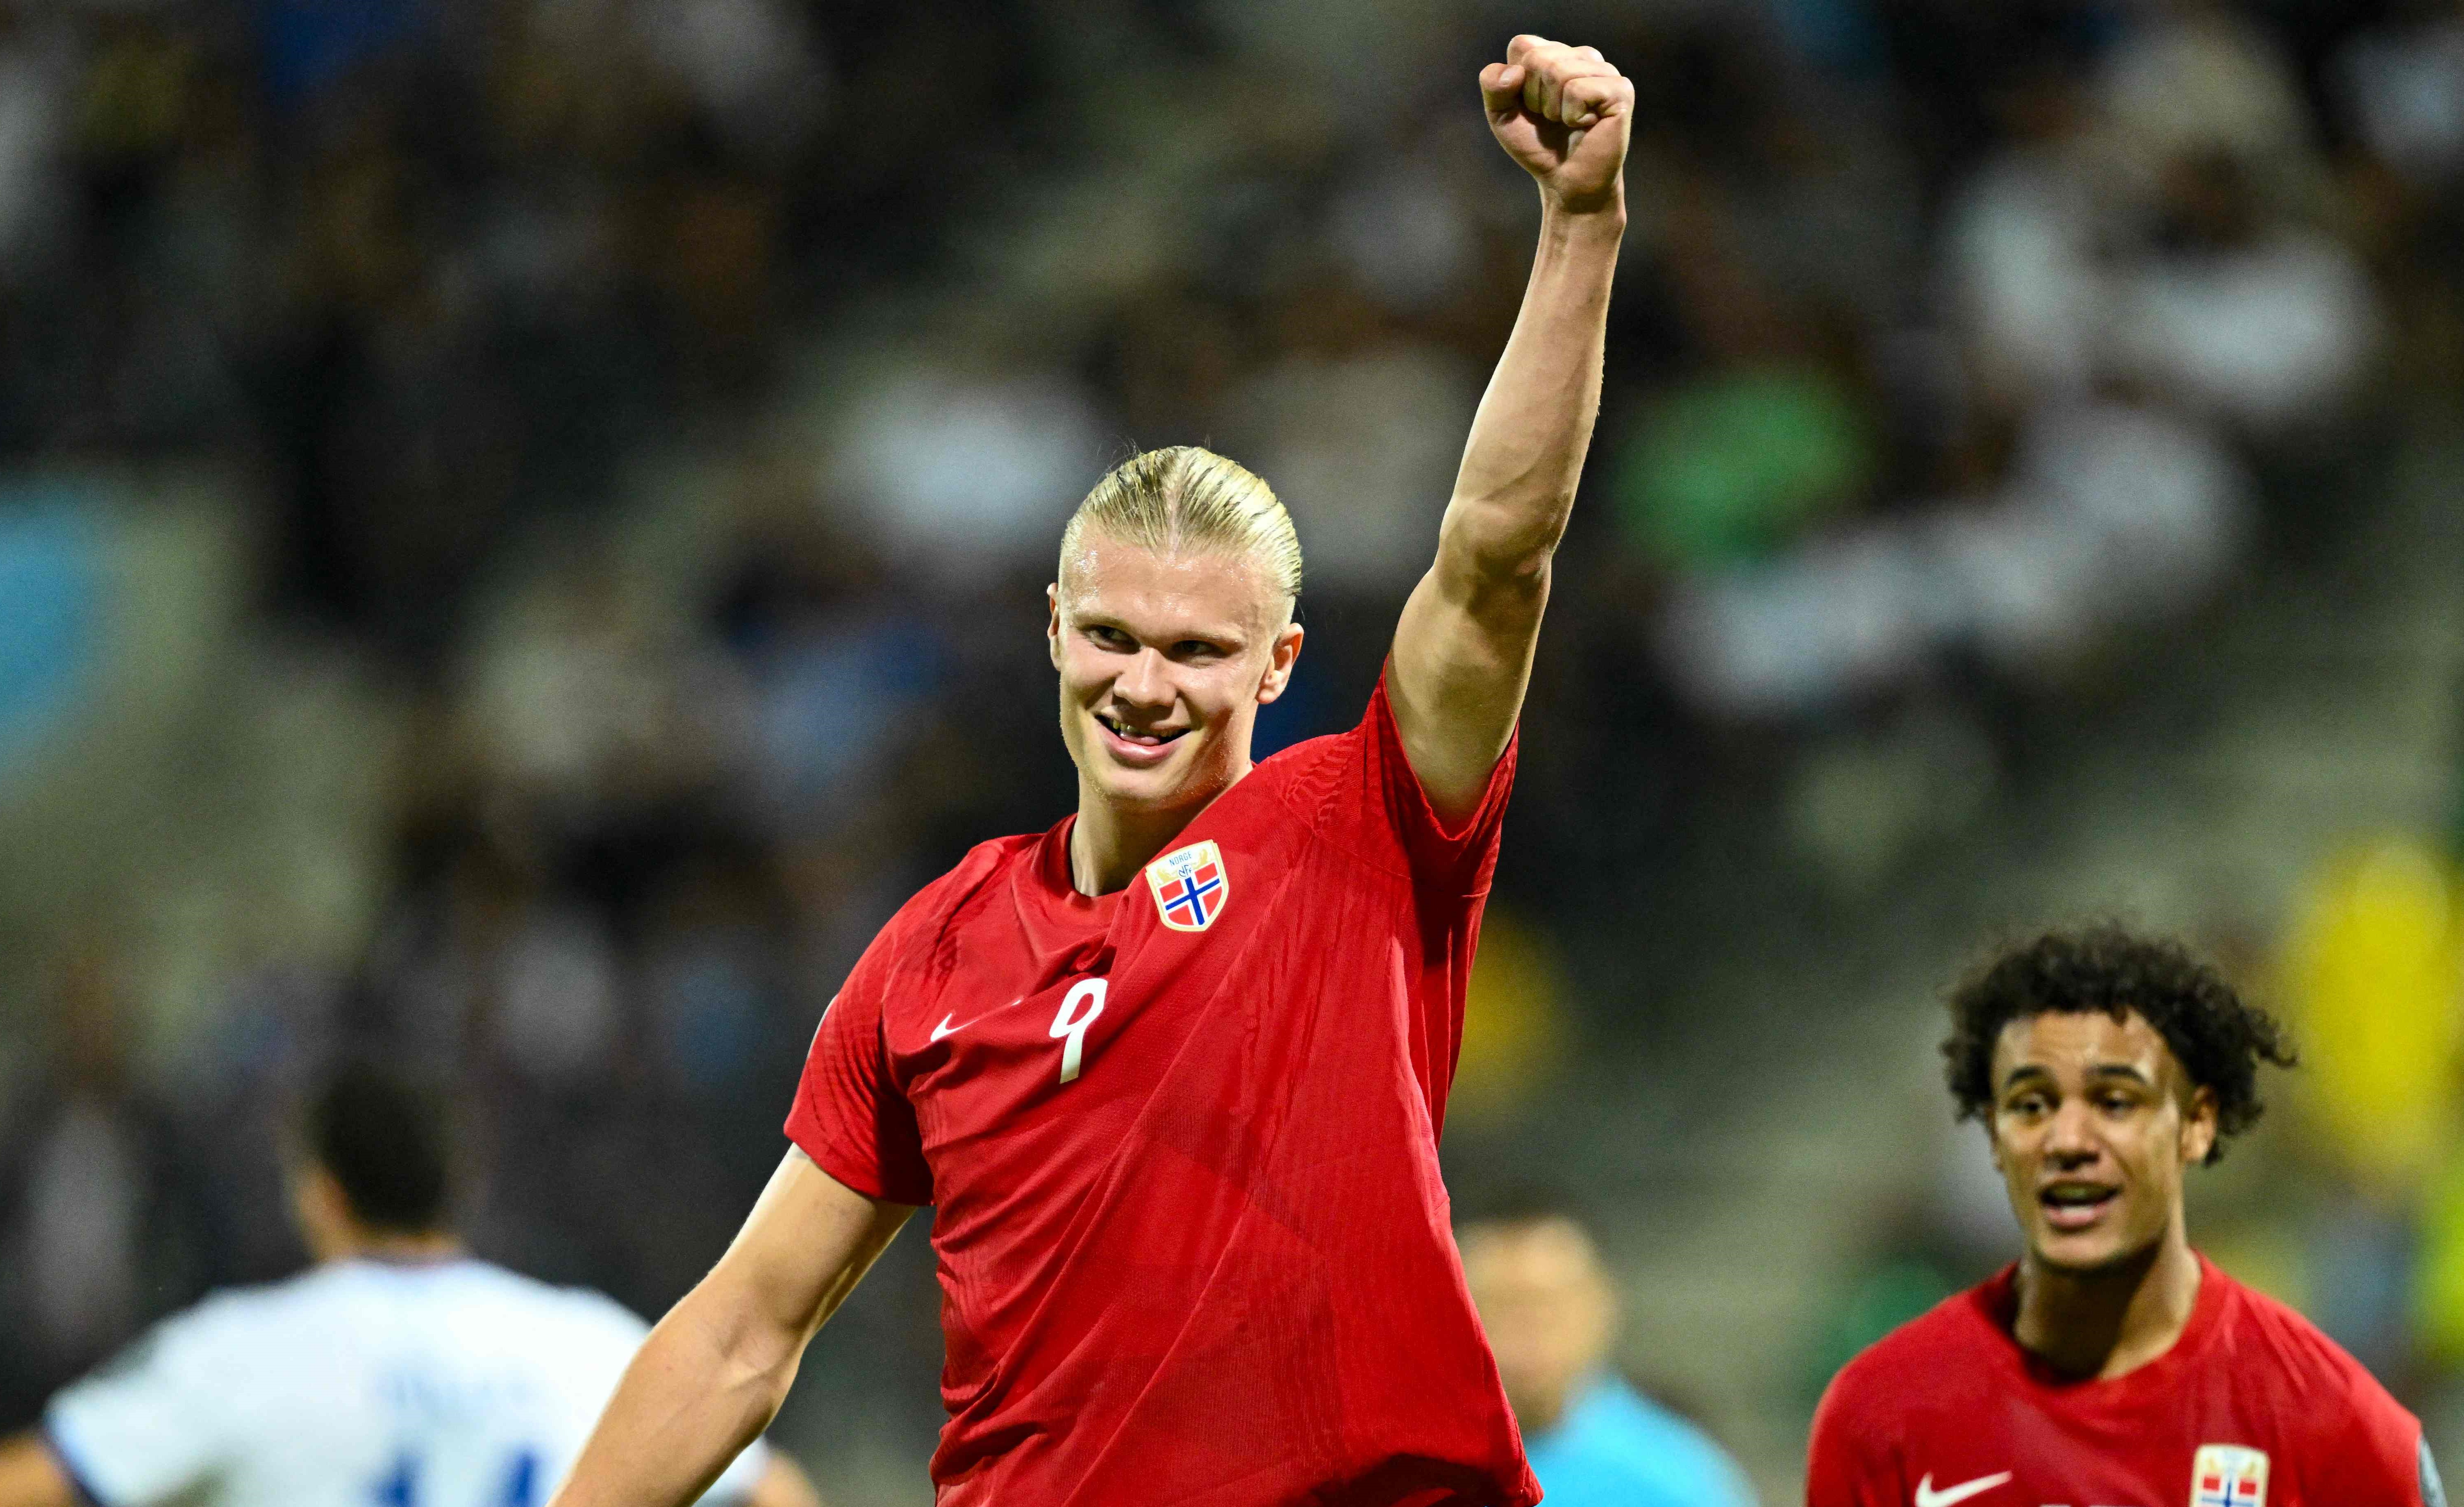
[[1158, 785], [2085, 1252]]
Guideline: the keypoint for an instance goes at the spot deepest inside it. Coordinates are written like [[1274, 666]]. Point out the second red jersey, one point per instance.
[[2251, 1408], [1182, 1142]]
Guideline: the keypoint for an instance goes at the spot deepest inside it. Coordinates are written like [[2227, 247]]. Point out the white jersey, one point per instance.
[[359, 1384]]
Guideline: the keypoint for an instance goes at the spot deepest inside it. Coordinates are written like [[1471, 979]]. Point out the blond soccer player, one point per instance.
[[1172, 1073]]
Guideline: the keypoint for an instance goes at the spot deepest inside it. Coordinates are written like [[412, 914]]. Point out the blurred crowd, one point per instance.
[[672, 403]]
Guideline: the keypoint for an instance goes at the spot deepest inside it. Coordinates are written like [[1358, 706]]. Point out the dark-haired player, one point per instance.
[[399, 1372], [2112, 1365]]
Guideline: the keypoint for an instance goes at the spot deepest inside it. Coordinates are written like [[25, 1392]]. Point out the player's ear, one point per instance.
[[1279, 660], [1052, 623], [322, 1211], [2199, 1126]]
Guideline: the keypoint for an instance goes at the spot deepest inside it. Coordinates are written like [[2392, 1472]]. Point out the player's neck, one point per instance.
[[2108, 1323], [421, 1248], [1109, 844]]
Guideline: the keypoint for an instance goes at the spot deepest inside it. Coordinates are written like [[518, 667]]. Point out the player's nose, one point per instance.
[[2070, 1139], [1145, 681]]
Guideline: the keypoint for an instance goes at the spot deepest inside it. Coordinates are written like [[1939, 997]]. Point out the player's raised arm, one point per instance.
[[713, 1371], [1463, 653]]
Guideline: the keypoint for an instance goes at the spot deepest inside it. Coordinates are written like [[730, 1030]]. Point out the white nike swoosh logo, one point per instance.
[[1928, 1497], [944, 1029]]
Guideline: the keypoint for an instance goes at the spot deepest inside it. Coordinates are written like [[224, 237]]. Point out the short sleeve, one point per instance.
[[849, 1115], [2379, 1453], [149, 1425], [1445, 857]]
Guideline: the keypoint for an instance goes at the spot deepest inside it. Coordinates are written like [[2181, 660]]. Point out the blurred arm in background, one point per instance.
[[1463, 652], [783, 1484], [714, 1370], [30, 1474]]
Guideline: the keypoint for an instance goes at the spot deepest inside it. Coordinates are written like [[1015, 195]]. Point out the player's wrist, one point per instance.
[[1593, 215]]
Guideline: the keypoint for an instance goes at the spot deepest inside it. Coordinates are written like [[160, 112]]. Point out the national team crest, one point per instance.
[[2228, 1476], [1190, 886]]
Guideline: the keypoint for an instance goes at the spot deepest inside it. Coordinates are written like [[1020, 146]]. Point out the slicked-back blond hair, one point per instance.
[[1184, 499]]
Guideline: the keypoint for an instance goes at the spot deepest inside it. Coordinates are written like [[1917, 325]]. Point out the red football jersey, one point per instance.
[[2252, 1406], [1182, 1144]]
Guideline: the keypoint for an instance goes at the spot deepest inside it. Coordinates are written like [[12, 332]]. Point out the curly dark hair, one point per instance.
[[2218, 1038]]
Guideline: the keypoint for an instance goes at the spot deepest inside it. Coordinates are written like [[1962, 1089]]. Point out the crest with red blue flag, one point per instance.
[[2228, 1476], [1190, 885]]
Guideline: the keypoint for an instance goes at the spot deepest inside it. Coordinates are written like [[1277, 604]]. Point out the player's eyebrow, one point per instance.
[[2034, 1071], [2121, 1070]]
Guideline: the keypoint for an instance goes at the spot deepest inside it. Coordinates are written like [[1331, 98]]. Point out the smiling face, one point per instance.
[[1164, 661], [2093, 1124]]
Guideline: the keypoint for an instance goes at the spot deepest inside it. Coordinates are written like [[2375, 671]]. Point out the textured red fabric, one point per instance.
[[1950, 1399], [1216, 1268]]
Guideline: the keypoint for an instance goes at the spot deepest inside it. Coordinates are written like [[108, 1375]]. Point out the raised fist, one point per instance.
[[1564, 115]]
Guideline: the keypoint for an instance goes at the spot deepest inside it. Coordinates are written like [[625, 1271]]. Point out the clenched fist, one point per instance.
[[1566, 116]]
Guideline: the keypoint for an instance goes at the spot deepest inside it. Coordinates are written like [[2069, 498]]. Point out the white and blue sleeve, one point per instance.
[[149, 1425]]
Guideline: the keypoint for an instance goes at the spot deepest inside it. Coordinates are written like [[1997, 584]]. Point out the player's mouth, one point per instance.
[[2070, 1207], [1142, 747]]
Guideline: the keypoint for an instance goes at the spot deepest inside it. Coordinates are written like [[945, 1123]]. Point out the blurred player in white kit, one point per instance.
[[399, 1372]]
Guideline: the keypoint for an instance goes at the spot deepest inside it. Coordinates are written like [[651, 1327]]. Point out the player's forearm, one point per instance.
[[704, 1385], [30, 1477], [1516, 488]]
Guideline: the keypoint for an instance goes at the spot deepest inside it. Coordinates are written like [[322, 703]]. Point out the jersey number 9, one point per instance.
[[1071, 1026]]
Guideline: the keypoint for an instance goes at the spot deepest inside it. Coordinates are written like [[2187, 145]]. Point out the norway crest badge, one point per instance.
[[2228, 1476], [1190, 886]]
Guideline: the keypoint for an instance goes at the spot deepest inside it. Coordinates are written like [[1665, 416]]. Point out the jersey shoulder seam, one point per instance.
[[1313, 822]]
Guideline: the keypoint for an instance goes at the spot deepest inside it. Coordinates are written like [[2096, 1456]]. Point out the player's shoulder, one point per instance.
[[2259, 1332], [463, 1290], [1332, 773], [299, 1299], [930, 909], [578, 1312], [228, 1329], [1955, 1346]]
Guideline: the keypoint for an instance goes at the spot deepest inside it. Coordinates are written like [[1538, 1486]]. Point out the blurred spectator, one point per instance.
[[2375, 972], [50, 609], [1552, 1318], [37, 73], [2242, 314], [92, 1188], [2404, 82], [965, 473], [1360, 431], [2108, 513]]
